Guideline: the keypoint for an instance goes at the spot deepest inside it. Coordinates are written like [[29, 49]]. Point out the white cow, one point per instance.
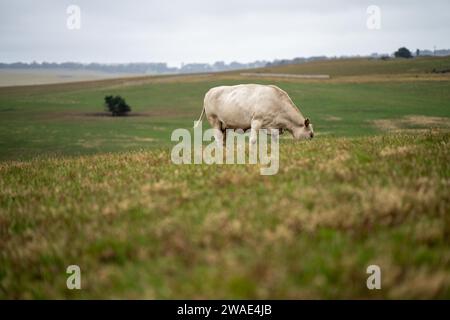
[[253, 106]]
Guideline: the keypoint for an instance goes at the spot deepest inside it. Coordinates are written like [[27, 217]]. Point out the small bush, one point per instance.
[[403, 53], [117, 105]]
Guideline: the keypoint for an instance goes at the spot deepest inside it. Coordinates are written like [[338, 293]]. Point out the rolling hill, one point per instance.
[[79, 187]]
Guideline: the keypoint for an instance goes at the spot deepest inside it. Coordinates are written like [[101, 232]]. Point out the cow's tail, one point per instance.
[[200, 119]]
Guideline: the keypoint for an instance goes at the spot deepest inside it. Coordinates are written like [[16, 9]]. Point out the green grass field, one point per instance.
[[66, 122], [78, 187]]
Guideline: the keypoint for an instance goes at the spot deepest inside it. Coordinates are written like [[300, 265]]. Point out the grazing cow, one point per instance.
[[253, 106]]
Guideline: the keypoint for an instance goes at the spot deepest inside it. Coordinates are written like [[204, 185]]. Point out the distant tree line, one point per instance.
[[138, 68], [153, 67], [163, 68], [400, 53]]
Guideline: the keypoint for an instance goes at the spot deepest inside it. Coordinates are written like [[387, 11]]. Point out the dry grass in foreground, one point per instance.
[[141, 227]]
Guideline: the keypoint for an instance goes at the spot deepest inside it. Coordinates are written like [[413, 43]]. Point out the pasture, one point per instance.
[[80, 187], [14, 77]]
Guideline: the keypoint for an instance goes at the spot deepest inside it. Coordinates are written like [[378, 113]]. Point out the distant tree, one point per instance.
[[403, 53], [417, 52], [117, 105]]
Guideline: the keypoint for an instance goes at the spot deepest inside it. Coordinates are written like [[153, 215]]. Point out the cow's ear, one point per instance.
[[306, 122]]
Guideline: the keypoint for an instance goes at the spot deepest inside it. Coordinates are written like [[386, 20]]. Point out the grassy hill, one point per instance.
[[365, 66], [15, 77], [141, 227], [64, 119], [78, 187]]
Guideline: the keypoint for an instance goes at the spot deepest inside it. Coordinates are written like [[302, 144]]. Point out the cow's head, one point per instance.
[[304, 130]]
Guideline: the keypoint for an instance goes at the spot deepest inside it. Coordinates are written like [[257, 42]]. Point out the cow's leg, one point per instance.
[[224, 134], [255, 126], [217, 125]]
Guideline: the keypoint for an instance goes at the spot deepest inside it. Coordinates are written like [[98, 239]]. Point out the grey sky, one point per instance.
[[207, 31]]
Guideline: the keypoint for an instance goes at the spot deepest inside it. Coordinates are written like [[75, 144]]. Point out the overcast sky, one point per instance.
[[209, 30]]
